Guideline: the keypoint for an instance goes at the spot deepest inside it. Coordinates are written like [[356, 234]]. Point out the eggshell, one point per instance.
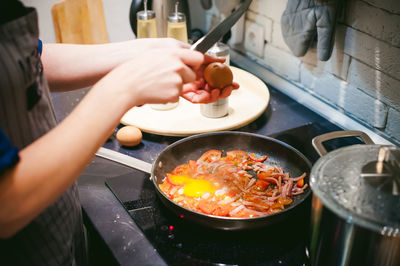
[[218, 75], [129, 136]]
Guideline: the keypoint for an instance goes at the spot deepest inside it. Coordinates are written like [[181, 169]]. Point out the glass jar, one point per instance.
[[146, 23]]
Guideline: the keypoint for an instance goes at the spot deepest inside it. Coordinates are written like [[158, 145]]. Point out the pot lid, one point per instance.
[[361, 183]]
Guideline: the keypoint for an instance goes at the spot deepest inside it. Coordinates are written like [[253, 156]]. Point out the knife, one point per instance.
[[221, 29]]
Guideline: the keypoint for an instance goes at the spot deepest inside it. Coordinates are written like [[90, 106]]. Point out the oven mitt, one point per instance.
[[304, 20]]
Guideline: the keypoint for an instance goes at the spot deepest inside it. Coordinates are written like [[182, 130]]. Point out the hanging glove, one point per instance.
[[303, 20]]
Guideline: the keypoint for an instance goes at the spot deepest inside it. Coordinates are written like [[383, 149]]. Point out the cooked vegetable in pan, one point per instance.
[[235, 184]]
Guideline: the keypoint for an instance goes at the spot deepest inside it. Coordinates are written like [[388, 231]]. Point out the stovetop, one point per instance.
[[180, 242]]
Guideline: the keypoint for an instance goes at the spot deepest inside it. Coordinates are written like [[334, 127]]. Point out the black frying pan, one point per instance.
[[191, 148]]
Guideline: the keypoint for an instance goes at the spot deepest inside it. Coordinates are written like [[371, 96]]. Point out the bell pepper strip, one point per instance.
[[300, 182], [253, 157]]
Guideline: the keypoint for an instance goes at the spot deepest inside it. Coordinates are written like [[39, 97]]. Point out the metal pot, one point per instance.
[[356, 203]]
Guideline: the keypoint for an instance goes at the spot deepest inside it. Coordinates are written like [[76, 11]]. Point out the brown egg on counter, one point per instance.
[[218, 75], [129, 136]]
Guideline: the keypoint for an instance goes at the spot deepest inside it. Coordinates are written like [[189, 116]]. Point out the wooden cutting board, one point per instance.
[[245, 105], [79, 21]]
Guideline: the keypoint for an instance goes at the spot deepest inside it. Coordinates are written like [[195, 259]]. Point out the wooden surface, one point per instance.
[[79, 21], [245, 105]]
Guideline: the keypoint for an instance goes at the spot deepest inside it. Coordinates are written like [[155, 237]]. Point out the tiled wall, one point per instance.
[[362, 77]]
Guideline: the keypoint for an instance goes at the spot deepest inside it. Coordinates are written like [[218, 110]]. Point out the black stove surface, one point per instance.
[[180, 242]]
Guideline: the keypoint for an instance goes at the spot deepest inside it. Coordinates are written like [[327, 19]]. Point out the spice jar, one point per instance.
[[146, 23], [177, 28]]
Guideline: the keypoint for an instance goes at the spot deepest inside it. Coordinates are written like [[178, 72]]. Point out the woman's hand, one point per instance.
[[198, 91], [161, 76], [201, 92], [153, 77]]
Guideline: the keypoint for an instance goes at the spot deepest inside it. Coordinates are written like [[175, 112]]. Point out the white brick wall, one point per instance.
[[322, 83], [362, 77], [364, 107], [264, 21], [373, 52], [375, 83], [338, 64], [277, 38], [393, 124], [281, 62], [385, 26], [389, 5], [270, 8], [344, 95]]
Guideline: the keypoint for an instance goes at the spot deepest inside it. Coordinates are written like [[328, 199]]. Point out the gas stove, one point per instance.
[[180, 242]]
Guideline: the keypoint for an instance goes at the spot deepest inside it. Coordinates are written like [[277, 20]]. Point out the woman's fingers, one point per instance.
[[190, 58], [228, 90], [210, 59], [187, 74], [199, 96], [215, 94]]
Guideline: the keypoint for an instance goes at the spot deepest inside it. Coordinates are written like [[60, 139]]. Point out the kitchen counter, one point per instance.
[[113, 230]]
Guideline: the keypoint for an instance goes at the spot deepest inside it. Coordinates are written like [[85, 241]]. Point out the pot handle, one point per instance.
[[318, 140]]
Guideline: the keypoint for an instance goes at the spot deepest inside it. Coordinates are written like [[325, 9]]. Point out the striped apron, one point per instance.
[[54, 237]]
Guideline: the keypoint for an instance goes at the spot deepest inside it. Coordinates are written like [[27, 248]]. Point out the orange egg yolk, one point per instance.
[[192, 187]]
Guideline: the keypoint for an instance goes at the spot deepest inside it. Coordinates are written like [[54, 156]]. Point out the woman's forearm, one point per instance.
[[72, 66], [48, 166], [75, 66], [51, 164]]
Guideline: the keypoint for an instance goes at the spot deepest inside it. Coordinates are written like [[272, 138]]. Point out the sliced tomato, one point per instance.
[[182, 169], [237, 156], [300, 182], [193, 166], [206, 207], [233, 192], [210, 156], [244, 214], [261, 184], [253, 157], [223, 210]]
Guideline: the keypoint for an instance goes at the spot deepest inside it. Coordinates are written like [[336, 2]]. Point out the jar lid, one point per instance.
[[146, 14], [177, 17], [361, 184], [219, 49]]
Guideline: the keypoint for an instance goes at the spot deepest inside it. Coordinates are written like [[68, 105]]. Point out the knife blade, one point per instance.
[[221, 29]]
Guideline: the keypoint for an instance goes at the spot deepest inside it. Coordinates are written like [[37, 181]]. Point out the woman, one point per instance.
[[40, 214]]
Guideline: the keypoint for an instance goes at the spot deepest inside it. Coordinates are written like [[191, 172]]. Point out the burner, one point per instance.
[[179, 242]]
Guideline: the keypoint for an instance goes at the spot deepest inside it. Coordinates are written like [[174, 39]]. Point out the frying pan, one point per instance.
[[191, 148]]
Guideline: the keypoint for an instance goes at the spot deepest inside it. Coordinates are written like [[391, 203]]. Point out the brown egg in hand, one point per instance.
[[218, 75], [129, 136]]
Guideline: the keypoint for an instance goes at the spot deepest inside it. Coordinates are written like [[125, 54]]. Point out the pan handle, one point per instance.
[[124, 159], [318, 140]]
